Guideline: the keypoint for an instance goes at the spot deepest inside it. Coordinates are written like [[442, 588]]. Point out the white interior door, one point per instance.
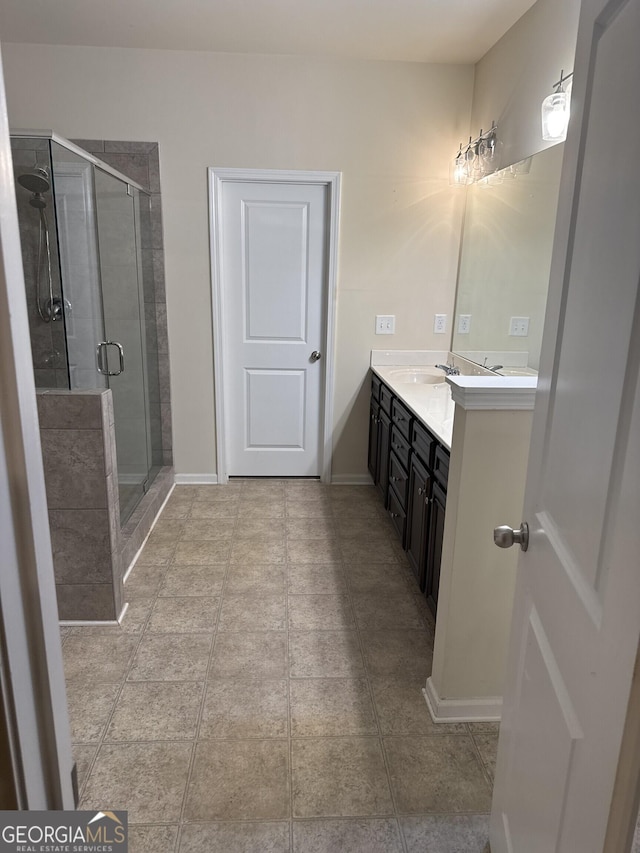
[[273, 239], [577, 610]]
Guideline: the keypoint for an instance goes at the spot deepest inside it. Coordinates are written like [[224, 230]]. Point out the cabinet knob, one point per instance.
[[394, 514], [420, 490], [426, 501]]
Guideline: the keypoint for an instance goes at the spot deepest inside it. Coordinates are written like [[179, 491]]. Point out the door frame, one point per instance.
[[32, 685], [332, 181]]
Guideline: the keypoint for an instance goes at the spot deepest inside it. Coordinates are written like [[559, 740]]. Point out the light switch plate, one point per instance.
[[464, 324], [439, 324], [385, 324], [519, 327]]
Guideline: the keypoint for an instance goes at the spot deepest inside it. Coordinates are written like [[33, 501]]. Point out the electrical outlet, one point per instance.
[[464, 324], [385, 324], [439, 324], [519, 327]]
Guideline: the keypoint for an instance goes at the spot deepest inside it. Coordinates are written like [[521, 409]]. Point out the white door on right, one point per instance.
[[577, 607]]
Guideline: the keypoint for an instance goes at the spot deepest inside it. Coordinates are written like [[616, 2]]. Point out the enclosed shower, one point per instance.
[[85, 230]]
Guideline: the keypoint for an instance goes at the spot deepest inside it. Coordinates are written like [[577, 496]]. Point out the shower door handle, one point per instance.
[[102, 358]]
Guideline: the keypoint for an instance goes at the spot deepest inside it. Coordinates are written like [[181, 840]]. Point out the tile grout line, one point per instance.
[[288, 674]]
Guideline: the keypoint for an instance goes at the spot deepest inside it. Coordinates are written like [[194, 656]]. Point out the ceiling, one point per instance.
[[402, 30]]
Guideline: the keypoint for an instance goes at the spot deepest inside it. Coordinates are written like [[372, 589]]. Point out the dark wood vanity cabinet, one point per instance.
[[384, 441], [379, 437], [418, 528], [374, 431], [411, 468], [435, 538]]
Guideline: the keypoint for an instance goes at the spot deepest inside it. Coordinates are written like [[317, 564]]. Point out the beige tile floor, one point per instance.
[[263, 693]]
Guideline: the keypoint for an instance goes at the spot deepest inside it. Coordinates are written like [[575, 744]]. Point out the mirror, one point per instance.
[[505, 259]]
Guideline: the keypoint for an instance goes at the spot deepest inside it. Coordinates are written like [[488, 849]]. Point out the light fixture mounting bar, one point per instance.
[[563, 78]]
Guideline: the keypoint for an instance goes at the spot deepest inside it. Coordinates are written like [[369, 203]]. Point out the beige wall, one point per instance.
[[519, 71], [388, 127]]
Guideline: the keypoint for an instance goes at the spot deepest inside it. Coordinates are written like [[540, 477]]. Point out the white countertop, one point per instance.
[[435, 404], [431, 404]]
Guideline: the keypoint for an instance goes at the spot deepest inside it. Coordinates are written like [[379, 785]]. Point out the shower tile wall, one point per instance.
[[48, 346], [78, 450], [140, 162]]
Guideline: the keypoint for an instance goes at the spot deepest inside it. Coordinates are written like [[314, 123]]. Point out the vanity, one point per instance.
[[449, 456], [410, 431]]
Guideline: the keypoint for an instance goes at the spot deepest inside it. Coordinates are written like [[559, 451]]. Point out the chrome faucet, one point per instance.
[[449, 369], [494, 367]]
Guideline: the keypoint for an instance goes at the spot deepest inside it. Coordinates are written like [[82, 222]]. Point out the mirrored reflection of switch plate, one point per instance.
[[464, 324], [519, 327], [385, 324]]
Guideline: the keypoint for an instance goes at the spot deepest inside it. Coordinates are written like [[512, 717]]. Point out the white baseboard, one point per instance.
[[351, 480], [488, 710], [196, 479]]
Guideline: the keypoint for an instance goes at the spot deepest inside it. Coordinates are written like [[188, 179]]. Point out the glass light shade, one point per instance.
[[490, 154], [555, 116], [458, 172]]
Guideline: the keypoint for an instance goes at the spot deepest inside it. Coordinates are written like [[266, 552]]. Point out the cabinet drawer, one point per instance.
[[399, 479], [398, 516], [441, 466], [401, 417], [400, 447], [385, 398], [423, 443], [375, 387]]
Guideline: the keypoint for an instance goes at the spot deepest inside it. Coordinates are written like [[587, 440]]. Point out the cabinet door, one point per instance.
[[373, 440], [417, 519], [398, 516], [434, 550], [384, 447]]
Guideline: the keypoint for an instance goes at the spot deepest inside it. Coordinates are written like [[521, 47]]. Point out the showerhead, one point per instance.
[[36, 182]]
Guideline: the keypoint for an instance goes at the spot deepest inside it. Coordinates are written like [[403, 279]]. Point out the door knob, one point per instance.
[[505, 536], [315, 355]]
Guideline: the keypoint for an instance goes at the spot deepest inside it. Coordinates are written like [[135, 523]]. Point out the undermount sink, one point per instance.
[[417, 375]]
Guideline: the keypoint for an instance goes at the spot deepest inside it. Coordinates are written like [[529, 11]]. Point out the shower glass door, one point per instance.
[[121, 353], [80, 291]]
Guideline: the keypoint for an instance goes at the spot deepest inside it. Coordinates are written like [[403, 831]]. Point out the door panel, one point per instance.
[[577, 604], [275, 275], [542, 754], [275, 409], [273, 238]]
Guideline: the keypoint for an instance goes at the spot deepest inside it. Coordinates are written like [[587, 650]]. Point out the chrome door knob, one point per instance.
[[315, 355], [505, 536]]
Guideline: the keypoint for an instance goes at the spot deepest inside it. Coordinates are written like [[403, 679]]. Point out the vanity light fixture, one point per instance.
[[478, 159], [555, 111]]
